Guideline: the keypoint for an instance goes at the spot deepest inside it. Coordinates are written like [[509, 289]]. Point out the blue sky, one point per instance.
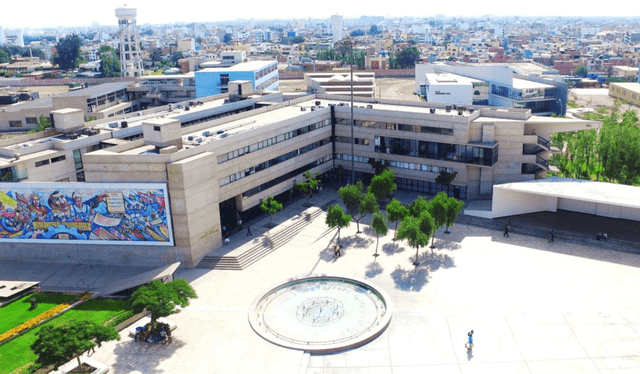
[[41, 13]]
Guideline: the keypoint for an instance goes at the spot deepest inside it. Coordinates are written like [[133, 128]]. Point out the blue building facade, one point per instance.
[[262, 74]]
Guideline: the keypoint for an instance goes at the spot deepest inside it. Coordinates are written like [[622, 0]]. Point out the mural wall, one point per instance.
[[99, 213]]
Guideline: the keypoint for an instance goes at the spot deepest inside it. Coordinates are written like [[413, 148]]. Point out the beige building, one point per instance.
[[339, 83], [218, 159], [628, 92]]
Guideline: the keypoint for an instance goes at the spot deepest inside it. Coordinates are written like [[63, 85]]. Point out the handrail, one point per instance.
[[544, 142]]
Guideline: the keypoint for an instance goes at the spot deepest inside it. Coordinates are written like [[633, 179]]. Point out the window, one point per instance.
[[77, 159], [58, 159], [31, 120], [15, 123], [224, 79], [156, 128], [42, 163], [80, 176]]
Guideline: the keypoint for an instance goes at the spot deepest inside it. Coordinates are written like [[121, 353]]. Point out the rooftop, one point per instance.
[[244, 66]]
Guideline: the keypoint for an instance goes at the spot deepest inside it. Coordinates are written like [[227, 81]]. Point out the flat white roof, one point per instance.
[[449, 79], [578, 189], [523, 84], [243, 66]]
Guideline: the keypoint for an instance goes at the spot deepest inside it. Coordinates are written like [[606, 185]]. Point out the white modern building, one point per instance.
[[336, 27], [453, 89], [129, 42]]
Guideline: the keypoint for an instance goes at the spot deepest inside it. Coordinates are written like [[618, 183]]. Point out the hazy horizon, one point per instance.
[[74, 13]]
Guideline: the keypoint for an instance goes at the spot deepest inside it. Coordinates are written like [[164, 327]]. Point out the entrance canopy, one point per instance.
[[591, 197]]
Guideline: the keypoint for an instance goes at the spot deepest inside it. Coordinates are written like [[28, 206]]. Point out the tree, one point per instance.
[[445, 179], [4, 56], [368, 205], [396, 213], [374, 30], [452, 208], [418, 206], [383, 185], [227, 38], [437, 209], [161, 298], [619, 148], [109, 62], [337, 218], [68, 52], [271, 206], [41, 124], [582, 71], [55, 345], [379, 226], [308, 186], [416, 230], [379, 165], [408, 57], [357, 202], [175, 57], [155, 55]]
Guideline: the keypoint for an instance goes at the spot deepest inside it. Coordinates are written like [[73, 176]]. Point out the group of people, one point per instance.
[[161, 333], [601, 236]]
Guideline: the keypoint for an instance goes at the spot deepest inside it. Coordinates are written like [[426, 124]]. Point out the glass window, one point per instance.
[[77, 159]]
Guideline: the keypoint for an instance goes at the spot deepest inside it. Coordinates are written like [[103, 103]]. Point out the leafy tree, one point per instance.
[[161, 298], [379, 226], [67, 52], [357, 32], [155, 55], [175, 57], [408, 57], [396, 213], [582, 71], [308, 186], [271, 206], [55, 345], [41, 124], [379, 165], [418, 206], [416, 231], [437, 209], [452, 208], [374, 30], [445, 179], [337, 218], [4, 56], [109, 62], [351, 196], [227, 38], [383, 185], [368, 205], [619, 148]]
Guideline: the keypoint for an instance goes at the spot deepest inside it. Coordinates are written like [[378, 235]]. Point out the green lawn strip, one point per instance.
[[16, 354], [18, 311]]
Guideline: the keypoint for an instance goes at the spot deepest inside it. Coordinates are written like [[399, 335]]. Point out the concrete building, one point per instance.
[[129, 42], [186, 45], [364, 83], [336, 28], [185, 172], [2, 37], [514, 85], [102, 101], [455, 89], [629, 92], [262, 74]]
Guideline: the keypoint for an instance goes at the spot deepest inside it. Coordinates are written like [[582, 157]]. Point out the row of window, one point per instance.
[[282, 178], [438, 151], [265, 71], [347, 157], [267, 83], [15, 123], [272, 141], [432, 188], [397, 164], [347, 139], [50, 161], [274, 161], [398, 127], [213, 116]]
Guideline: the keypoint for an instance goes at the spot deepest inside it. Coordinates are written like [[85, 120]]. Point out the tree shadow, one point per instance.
[[356, 242], [447, 245], [392, 248], [143, 357], [413, 279], [373, 269], [435, 261]]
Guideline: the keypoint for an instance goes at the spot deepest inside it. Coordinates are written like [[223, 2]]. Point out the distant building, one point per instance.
[[262, 74], [186, 45], [2, 38], [629, 92], [336, 27], [340, 83]]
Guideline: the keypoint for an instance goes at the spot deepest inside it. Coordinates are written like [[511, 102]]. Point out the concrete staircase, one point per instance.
[[260, 250]]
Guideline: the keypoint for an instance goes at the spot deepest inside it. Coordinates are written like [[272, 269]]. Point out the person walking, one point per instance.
[[552, 235], [506, 231], [470, 340], [249, 230]]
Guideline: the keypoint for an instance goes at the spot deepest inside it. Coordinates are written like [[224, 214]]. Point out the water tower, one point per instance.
[[130, 52]]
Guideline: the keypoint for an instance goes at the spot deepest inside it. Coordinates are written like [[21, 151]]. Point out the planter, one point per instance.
[[99, 367]]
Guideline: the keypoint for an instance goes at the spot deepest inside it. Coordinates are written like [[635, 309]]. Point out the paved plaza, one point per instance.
[[536, 307]]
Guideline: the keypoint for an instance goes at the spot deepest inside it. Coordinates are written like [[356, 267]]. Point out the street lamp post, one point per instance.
[[353, 139]]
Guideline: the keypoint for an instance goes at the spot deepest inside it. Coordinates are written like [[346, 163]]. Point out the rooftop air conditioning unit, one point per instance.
[[432, 110], [206, 133], [303, 109], [224, 135], [113, 125], [369, 106], [219, 131], [318, 102], [448, 108], [190, 138], [124, 124], [73, 136]]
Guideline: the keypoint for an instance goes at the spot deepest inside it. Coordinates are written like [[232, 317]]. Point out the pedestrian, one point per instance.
[[506, 231], [336, 251], [553, 236], [470, 341], [249, 230], [224, 230], [239, 224], [605, 237], [598, 236]]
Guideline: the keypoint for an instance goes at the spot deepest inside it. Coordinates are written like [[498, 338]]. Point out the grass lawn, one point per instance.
[[18, 311], [16, 356]]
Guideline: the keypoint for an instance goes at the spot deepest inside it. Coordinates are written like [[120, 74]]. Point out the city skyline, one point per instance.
[[76, 14]]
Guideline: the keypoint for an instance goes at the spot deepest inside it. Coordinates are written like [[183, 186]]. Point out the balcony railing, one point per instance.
[[544, 142]]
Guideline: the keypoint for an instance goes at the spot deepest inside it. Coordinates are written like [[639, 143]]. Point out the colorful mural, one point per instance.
[[101, 213]]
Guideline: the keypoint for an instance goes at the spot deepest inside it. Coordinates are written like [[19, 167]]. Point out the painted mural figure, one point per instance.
[[39, 212], [60, 207], [10, 221], [81, 211]]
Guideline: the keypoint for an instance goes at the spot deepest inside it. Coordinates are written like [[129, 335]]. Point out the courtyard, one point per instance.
[[535, 307]]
